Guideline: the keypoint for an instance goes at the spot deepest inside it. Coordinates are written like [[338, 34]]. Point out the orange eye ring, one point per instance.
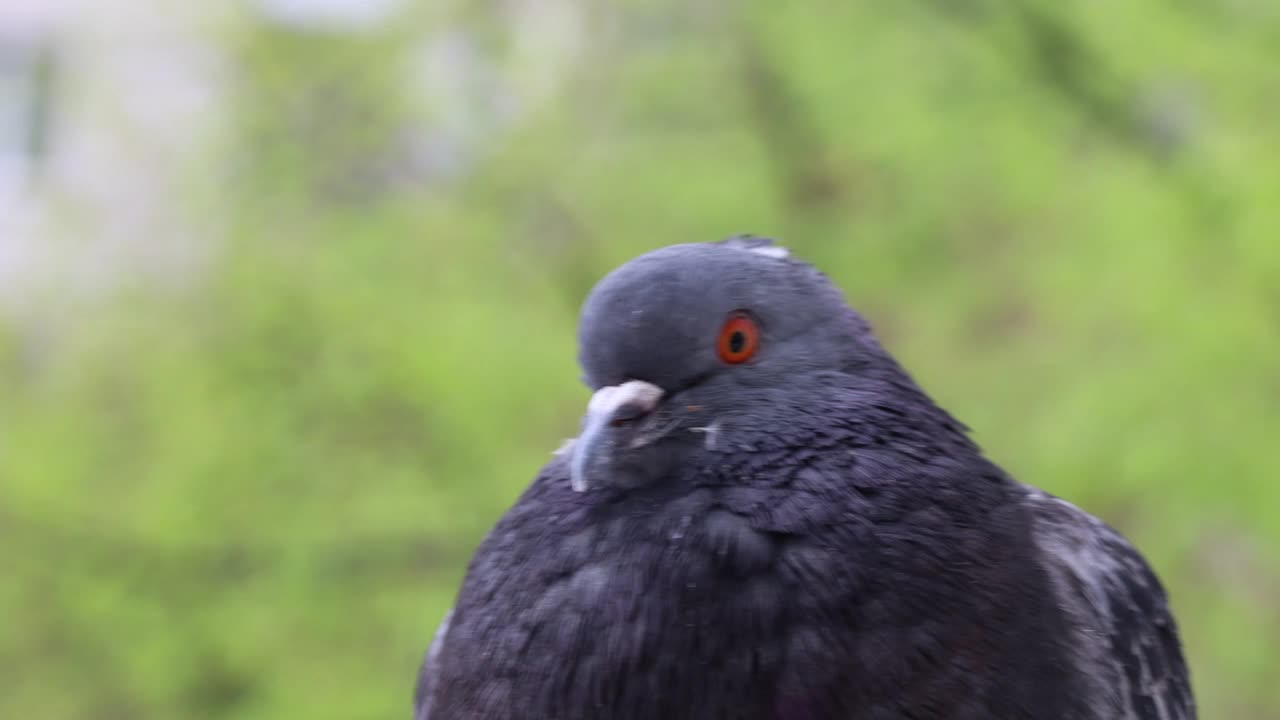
[[739, 339]]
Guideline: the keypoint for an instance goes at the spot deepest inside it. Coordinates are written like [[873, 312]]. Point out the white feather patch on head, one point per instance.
[[773, 251], [759, 246]]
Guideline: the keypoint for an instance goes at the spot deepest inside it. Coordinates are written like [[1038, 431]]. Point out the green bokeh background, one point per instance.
[[252, 494]]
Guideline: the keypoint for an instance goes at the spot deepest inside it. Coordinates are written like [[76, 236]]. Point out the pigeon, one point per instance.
[[763, 517]]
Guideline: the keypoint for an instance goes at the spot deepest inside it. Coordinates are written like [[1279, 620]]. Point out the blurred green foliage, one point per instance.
[[254, 497]]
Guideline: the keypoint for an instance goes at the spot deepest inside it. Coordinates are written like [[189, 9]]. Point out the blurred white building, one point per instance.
[[102, 103], [110, 111]]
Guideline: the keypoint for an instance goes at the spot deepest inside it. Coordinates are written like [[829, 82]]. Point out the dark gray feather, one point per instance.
[[1124, 628]]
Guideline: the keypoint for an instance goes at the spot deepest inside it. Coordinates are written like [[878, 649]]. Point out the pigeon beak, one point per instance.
[[611, 408]]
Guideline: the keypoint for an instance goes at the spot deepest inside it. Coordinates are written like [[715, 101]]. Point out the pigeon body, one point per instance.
[[765, 518]]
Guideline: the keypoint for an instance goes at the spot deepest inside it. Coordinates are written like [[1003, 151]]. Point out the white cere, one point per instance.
[[610, 398]]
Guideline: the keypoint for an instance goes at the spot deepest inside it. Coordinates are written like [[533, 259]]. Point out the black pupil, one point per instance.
[[737, 341]]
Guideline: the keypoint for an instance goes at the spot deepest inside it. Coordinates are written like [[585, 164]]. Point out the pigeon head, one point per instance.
[[681, 342]]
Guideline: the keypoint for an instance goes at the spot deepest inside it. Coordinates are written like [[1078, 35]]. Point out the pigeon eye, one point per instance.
[[739, 339]]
